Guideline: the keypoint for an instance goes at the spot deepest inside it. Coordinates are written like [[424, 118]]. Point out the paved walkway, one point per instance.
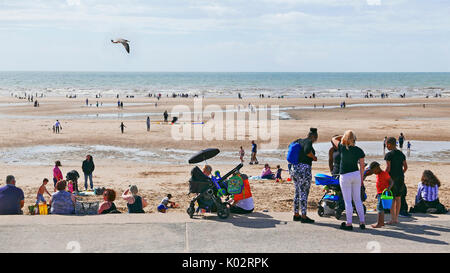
[[258, 232]]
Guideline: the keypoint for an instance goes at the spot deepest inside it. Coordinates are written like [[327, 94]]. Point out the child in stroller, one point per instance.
[[332, 202], [209, 191]]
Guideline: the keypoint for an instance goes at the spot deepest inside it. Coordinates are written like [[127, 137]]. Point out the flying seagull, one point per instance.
[[123, 42]]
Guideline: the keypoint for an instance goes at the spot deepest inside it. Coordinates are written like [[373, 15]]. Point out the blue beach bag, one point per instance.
[[386, 199], [293, 154]]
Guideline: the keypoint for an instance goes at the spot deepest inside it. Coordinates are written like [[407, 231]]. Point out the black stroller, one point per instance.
[[332, 202], [209, 192]]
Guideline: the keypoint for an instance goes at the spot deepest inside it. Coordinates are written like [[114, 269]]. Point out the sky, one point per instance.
[[226, 35]]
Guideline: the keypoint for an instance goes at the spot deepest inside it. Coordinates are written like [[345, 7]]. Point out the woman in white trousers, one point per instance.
[[351, 177]]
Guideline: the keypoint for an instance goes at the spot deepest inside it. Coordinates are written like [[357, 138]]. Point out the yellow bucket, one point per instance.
[[43, 210]]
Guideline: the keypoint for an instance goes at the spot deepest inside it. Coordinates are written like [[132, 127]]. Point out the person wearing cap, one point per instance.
[[302, 176], [384, 182], [135, 203]]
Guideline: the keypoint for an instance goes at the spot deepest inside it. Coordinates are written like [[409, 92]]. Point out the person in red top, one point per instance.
[[384, 181], [57, 174]]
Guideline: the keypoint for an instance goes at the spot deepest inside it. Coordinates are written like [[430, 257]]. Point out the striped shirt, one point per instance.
[[427, 193]]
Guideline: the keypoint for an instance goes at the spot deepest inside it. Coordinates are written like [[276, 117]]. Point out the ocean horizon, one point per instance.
[[225, 84]]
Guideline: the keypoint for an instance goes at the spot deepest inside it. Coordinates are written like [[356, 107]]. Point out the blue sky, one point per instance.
[[226, 35]]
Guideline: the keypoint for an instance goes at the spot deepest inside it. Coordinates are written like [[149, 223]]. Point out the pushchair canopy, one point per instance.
[[204, 155]]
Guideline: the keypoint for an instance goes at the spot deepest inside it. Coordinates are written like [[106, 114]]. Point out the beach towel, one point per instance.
[[258, 177], [85, 193]]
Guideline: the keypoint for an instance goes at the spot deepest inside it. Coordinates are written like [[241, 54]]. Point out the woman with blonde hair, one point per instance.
[[351, 178]]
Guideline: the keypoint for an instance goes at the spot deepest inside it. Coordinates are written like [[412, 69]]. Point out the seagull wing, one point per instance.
[[127, 46]]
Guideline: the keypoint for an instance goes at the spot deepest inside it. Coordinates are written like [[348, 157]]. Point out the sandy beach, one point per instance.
[[157, 163]]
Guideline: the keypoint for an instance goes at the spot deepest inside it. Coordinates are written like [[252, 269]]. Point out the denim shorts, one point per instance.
[[40, 198], [379, 204]]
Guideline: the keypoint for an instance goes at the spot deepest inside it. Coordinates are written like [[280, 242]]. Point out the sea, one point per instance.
[[225, 84]]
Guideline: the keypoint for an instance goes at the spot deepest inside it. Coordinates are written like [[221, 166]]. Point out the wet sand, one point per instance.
[[26, 127]]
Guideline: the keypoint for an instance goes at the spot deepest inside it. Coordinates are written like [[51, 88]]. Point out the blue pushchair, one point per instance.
[[332, 202]]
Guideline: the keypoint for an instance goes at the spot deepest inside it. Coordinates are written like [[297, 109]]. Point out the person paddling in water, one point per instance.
[[122, 127]]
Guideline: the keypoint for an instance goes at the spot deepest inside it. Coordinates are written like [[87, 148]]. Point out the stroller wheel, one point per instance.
[[223, 212], [190, 211], [320, 211]]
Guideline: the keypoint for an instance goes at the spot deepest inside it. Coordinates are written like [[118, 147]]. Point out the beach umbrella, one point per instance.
[[204, 155]]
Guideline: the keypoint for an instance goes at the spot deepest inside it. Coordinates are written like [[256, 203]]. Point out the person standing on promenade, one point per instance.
[[302, 176], [396, 166], [351, 178]]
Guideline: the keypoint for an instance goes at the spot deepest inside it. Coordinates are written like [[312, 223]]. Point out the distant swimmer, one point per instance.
[[123, 42]]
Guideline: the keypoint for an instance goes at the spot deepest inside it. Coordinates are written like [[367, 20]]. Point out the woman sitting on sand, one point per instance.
[[427, 198], [135, 203], [62, 202], [267, 173], [108, 205]]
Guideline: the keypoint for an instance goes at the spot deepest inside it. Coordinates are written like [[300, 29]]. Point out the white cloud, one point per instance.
[[73, 2], [374, 2]]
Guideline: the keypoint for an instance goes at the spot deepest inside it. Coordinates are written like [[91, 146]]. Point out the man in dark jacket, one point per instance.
[[88, 167]]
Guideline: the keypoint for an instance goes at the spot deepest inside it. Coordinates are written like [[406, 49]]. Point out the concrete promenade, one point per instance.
[[258, 232]]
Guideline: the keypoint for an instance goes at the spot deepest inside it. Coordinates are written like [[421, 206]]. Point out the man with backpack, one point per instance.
[[300, 156]]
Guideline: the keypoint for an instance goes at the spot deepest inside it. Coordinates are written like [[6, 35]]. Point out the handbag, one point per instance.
[[86, 208]]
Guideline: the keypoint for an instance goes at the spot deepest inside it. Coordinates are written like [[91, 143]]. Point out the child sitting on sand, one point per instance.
[[166, 204], [384, 181], [427, 198], [40, 193], [70, 186]]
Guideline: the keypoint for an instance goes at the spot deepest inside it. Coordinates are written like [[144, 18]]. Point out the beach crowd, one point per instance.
[[346, 164]]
